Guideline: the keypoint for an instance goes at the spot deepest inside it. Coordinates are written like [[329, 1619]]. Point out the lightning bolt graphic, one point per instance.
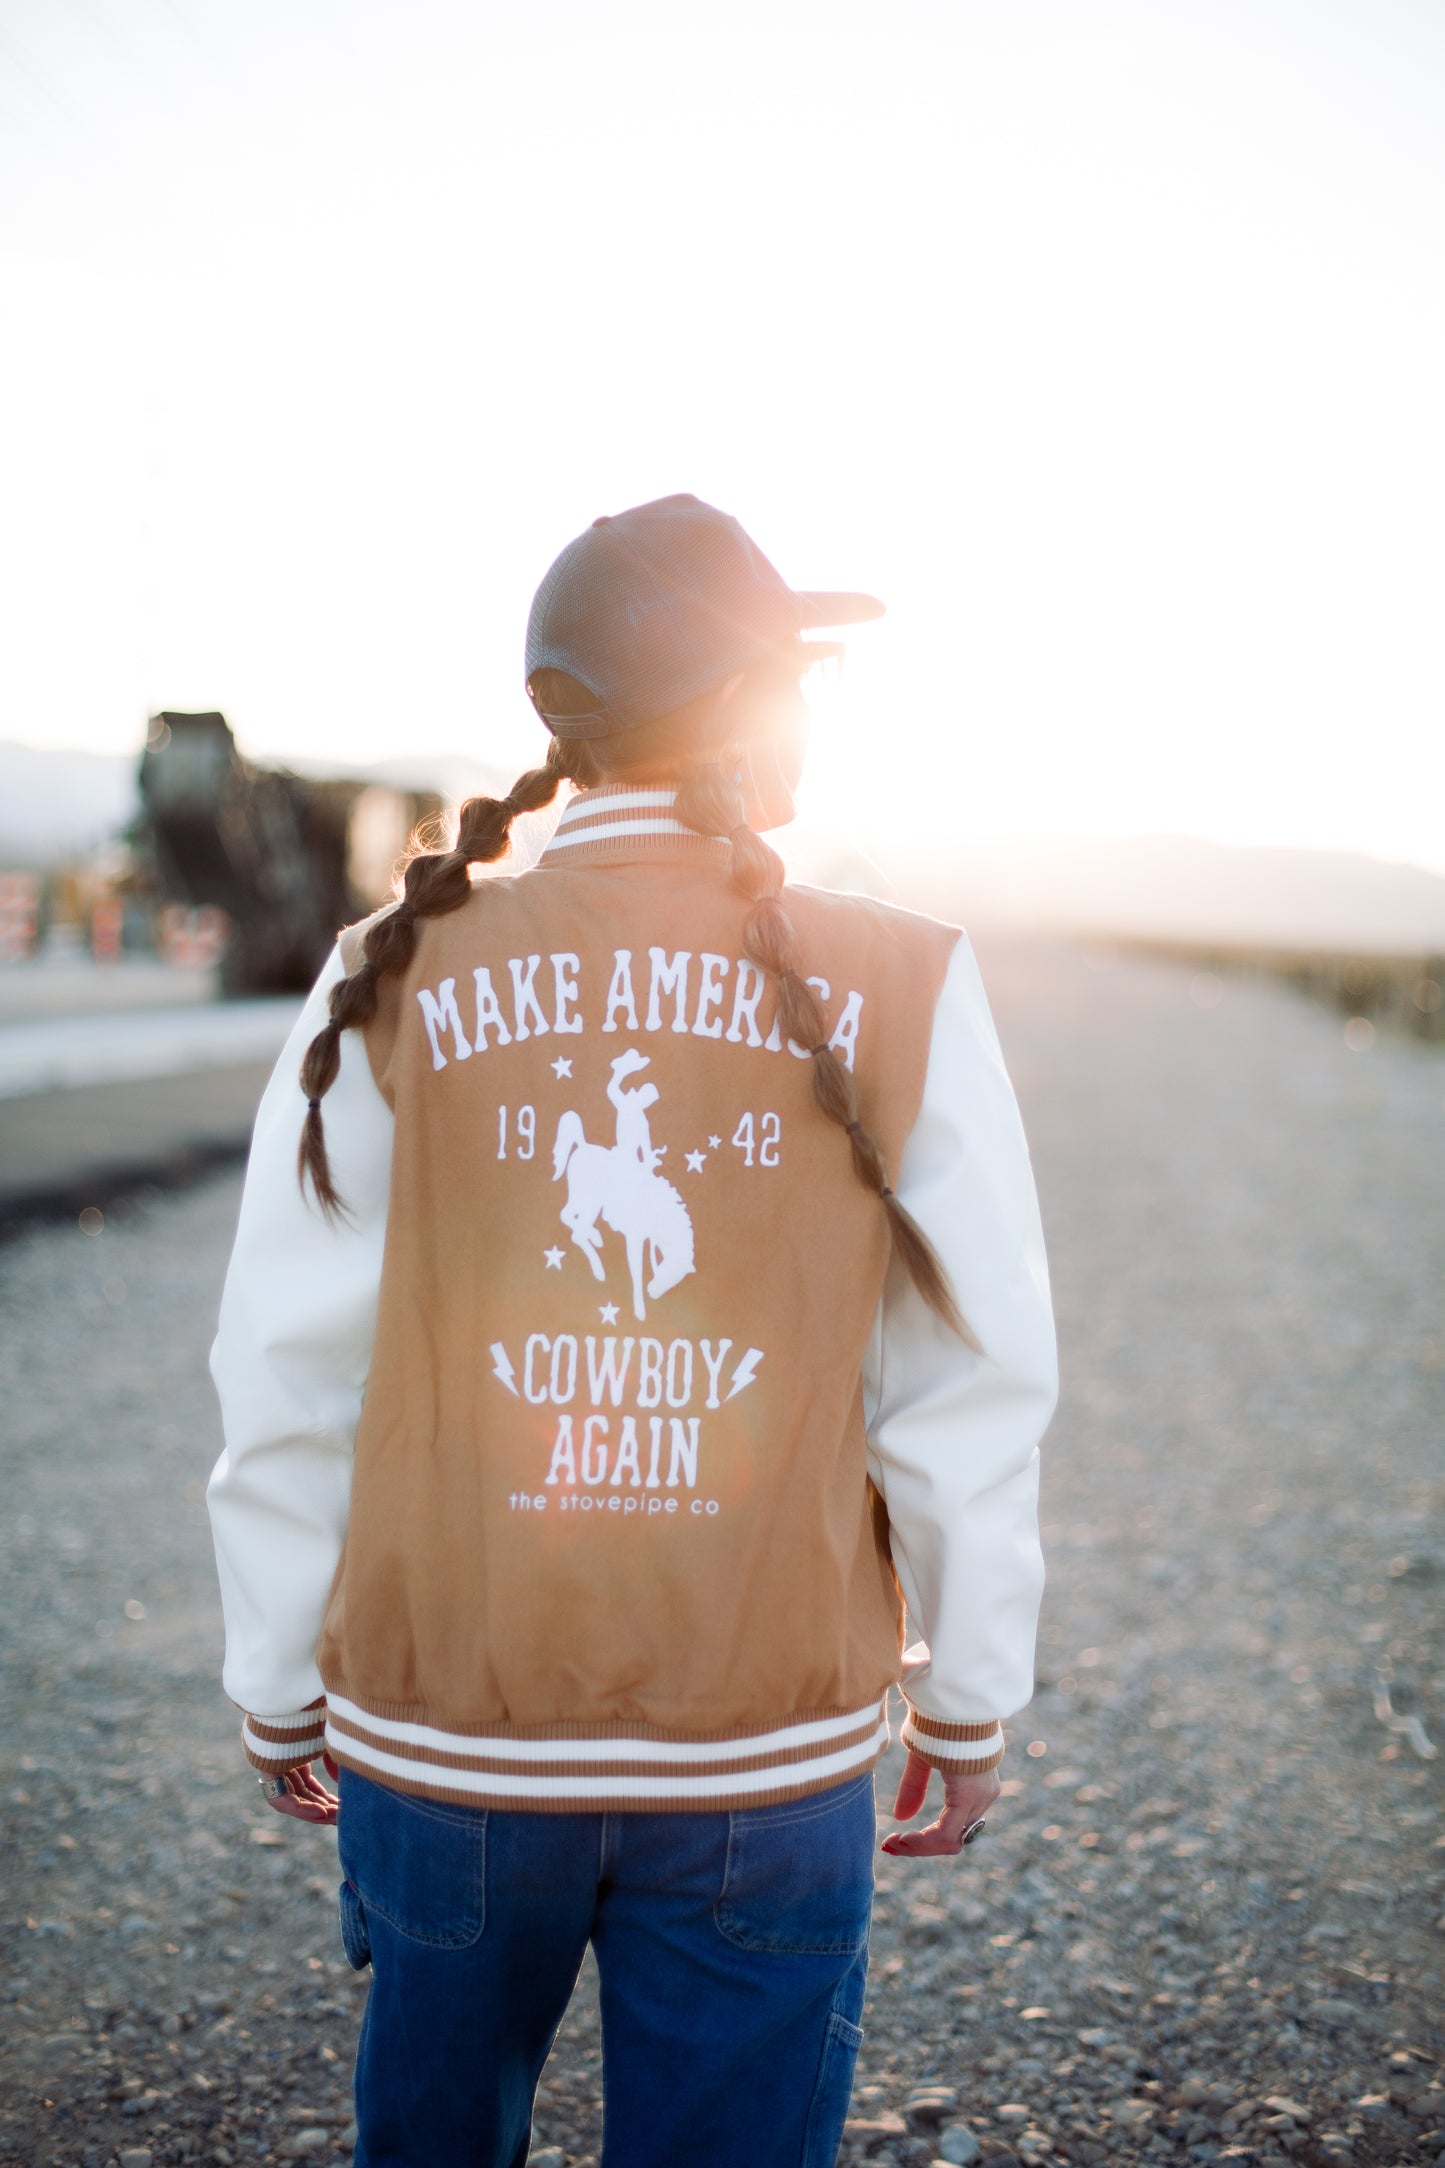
[[502, 1368], [746, 1371]]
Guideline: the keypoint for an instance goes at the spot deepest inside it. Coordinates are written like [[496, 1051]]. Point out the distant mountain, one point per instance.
[[1182, 888], [55, 806], [62, 805]]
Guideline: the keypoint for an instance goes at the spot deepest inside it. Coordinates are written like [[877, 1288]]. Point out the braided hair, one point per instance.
[[710, 801], [698, 748], [433, 883]]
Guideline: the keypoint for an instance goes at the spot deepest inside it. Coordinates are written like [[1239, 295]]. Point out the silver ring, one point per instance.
[[974, 1829], [272, 1787]]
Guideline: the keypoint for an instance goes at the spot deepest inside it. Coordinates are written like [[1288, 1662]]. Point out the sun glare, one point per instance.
[[1103, 343]]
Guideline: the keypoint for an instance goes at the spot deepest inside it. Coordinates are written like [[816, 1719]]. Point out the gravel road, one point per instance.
[[1206, 1922]]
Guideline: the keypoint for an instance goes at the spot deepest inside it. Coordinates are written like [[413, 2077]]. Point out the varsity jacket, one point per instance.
[[591, 1460]]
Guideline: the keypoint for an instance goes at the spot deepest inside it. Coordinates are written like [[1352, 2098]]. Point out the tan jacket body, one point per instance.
[[579, 1508], [610, 1531]]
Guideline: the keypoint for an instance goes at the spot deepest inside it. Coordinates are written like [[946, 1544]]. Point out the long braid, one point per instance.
[[434, 883], [710, 801]]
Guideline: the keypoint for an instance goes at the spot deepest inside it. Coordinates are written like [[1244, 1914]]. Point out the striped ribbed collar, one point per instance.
[[620, 821]]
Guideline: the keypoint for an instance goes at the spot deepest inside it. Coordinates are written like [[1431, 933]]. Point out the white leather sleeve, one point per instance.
[[290, 1363], [953, 1434]]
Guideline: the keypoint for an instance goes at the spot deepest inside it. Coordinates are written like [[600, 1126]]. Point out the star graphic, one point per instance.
[[714, 1144], [608, 1313], [561, 1066], [554, 1257], [696, 1161]]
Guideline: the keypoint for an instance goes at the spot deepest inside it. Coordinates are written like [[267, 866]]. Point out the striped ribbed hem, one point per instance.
[[566, 1770], [275, 1744], [956, 1749], [616, 821]]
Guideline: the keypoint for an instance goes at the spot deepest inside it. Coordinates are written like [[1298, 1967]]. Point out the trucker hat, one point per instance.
[[651, 608]]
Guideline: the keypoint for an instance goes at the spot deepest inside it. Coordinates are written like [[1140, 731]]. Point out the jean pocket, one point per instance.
[[828, 2108], [354, 1938], [799, 1877], [419, 1866]]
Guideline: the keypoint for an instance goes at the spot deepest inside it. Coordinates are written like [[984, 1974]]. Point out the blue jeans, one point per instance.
[[732, 1950]]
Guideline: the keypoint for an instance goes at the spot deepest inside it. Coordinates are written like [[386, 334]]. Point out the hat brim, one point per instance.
[[831, 609]]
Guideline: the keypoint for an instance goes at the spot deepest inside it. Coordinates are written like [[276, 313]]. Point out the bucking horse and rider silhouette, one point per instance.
[[620, 1185]]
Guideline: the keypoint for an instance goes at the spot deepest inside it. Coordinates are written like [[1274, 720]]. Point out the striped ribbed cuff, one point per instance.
[[275, 1744], [959, 1750], [562, 1769]]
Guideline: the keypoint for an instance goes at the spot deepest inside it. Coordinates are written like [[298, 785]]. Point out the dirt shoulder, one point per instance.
[[1205, 1922]]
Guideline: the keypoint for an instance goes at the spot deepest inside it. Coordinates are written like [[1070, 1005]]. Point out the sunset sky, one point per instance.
[[1105, 342]]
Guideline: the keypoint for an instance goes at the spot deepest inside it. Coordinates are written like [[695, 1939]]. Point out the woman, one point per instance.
[[677, 1228]]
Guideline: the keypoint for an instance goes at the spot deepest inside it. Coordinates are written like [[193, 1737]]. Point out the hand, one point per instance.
[[306, 1798], [965, 1799]]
